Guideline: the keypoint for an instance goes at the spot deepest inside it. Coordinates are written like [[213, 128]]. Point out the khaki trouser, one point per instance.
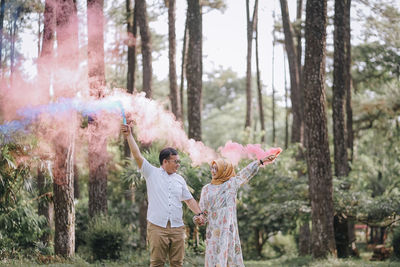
[[166, 241]]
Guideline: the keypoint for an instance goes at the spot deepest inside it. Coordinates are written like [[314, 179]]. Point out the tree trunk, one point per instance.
[[298, 37], [45, 206], [132, 33], [194, 70], [46, 58], [63, 185], [318, 156], [143, 222], [259, 86], [295, 95], [304, 239], [96, 68], [97, 142], [63, 188], [339, 93], [145, 36], [173, 86], [286, 104], [2, 10], [273, 85], [183, 68], [250, 30], [349, 110]]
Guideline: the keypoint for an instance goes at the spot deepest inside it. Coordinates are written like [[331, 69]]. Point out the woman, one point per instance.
[[218, 203]]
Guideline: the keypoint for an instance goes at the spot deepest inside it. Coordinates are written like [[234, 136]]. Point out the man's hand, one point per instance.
[[199, 220], [126, 130]]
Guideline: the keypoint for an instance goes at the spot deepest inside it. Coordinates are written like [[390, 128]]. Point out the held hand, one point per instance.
[[126, 130], [268, 159]]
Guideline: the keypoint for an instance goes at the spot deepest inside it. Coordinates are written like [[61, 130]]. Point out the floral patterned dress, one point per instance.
[[219, 202]]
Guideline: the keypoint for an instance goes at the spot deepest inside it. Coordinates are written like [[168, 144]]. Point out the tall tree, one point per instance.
[[174, 95], [250, 31], [45, 206], [295, 94], [183, 67], [132, 34], [63, 188], [318, 155], [349, 110], [341, 74], [141, 13], [259, 85], [97, 142], [194, 68], [2, 10]]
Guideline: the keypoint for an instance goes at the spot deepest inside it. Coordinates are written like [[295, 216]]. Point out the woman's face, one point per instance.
[[214, 170]]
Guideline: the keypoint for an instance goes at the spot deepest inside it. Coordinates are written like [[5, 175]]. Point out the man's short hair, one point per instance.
[[166, 153]]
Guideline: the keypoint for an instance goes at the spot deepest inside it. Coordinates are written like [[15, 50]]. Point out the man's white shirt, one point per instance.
[[165, 193]]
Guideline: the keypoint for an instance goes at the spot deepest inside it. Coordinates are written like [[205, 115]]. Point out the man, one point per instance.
[[165, 190]]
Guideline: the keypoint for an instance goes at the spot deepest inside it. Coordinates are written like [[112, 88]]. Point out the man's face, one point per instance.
[[172, 164]]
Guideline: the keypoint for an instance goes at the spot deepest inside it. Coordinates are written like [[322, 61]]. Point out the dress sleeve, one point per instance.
[[202, 202], [246, 174]]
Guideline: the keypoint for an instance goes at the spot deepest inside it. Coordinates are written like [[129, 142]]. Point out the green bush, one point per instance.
[[106, 237], [396, 242]]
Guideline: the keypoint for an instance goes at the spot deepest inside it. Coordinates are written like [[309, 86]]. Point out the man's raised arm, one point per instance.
[[127, 132]]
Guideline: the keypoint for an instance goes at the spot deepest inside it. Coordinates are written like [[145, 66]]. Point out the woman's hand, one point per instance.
[[199, 220], [268, 159], [126, 130]]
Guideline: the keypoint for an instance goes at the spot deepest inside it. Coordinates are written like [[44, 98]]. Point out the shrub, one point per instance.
[[106, 237], [396, 242]]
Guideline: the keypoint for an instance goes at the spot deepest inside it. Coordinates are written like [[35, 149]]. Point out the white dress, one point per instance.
[[222, 236]]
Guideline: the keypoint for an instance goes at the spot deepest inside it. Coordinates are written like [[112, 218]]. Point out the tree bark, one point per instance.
[[2, 10], [349, 110], [45, 206], [63, 189], [173, 86], [250, 30], [132, 33], [318, 156], [96, 68], [339, 92], [295, 95], [145, 36], [183, 68], [194, 70], [304, 239], [64, 144], [97, 142], [259, 85]]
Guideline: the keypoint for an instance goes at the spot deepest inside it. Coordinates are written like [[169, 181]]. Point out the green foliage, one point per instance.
[[106, 237], [396, 242]]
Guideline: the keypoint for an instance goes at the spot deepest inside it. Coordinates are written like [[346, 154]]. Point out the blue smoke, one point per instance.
[[29, 115]]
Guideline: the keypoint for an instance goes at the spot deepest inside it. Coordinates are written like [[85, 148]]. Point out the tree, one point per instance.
[[250, 31], [97, 142], [46, 207], [349, 109], [295, 91], [141, 12], [318, 156], [194, 68], [2, 9], [174, 95], [132, 33], [259, 86], [64, 145], [340, 77]]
